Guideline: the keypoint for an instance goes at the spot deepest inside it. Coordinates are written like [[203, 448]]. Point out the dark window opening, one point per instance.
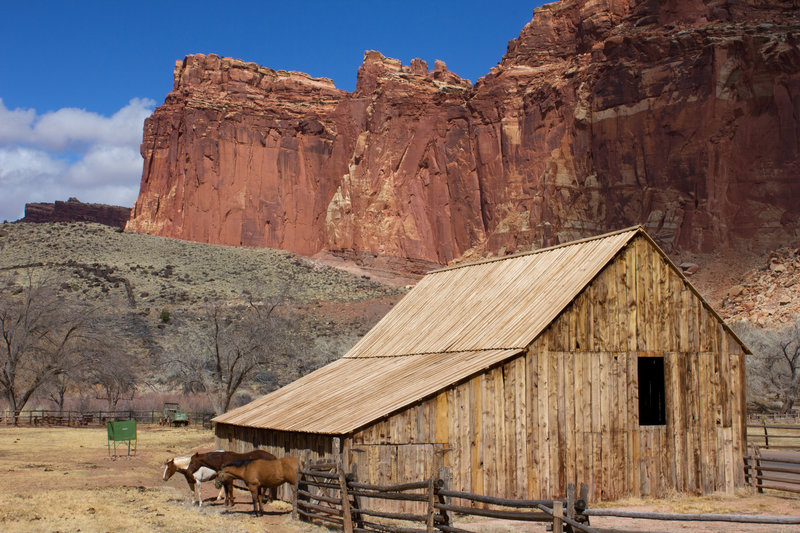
[[652, 398]]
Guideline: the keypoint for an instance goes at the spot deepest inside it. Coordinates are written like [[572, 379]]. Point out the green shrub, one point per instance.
[[164, 316]]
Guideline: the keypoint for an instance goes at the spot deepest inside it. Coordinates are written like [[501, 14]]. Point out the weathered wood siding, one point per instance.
[[566, 410]]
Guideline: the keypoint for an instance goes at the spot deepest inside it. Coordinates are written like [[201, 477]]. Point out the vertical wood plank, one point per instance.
[[534, 447], [597, 460]]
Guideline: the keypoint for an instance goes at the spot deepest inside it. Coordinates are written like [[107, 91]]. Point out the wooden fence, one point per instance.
[[776, 470], [773, 435], [325, 493], [39, 417]]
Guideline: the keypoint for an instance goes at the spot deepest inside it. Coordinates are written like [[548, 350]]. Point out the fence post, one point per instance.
[[295, 487], [759, 473], [558, 512], [356, 498], [346, 517], [429, 521], [444, 475], [766, 435]]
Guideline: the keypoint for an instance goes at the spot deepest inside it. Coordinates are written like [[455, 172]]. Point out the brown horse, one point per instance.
[[260, 474], [215, 461]]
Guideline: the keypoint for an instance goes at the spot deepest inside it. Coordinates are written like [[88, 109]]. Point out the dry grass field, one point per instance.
[[61, 479]]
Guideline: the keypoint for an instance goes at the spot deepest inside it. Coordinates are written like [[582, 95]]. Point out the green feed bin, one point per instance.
[[121, 430]]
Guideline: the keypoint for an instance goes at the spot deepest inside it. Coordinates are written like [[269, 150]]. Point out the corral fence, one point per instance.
[[44, 417], [324, 492], [327, 494], [771, 469], [774, 433], [773, 457]]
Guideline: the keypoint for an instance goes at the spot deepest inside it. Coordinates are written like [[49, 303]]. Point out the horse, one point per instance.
[[260, 474], [202, 474], [215, 461]]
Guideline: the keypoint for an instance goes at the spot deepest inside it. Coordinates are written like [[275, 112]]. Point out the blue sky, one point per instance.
[[78, 78]]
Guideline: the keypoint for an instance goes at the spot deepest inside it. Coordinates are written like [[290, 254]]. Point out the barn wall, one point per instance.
[[567, 410]]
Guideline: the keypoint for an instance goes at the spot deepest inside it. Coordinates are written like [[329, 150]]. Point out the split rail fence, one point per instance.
[[773, 435], [325, 493], [765, 469]]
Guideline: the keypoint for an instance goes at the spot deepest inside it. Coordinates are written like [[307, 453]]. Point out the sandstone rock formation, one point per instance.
[[73, 210], [679, 115]]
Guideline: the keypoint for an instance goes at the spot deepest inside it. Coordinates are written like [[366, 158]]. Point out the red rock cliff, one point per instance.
[[679, 115], [73, 210]]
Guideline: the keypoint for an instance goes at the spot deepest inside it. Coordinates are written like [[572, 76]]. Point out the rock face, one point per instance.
[[73, 210], [678, 115]]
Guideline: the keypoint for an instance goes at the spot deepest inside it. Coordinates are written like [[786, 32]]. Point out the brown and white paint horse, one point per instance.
[[193, 479]]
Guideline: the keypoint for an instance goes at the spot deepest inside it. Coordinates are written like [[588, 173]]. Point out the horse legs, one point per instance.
[[229, 498], [198, 494], [257, 510], [221, 494]]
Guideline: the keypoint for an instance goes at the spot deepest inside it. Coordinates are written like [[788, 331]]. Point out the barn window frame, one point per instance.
[[652, 391]]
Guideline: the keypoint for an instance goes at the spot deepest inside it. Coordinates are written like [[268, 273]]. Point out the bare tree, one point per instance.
[[38, 331], [224, 349], [114, 369], [774, 367], [789, 381]]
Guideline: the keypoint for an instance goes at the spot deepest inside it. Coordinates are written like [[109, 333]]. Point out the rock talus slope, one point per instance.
[[680, 115]]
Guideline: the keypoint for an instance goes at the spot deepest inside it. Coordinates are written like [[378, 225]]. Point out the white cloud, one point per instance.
[[103, 164], [16, 125], [70, 152]]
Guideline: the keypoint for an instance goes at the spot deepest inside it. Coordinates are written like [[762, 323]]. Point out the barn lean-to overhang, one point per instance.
[[456, 323]]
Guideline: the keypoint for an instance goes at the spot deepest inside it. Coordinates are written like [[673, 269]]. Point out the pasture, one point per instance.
[[61, 479]]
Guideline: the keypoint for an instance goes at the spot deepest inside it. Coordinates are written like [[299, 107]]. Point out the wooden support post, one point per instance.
[[766, 435], [431, 509], [295, 491], [444, 475], [346, 516], [759, 472], [558, 513], [356, 498]]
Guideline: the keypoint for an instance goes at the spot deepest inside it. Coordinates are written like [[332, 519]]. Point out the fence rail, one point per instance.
[[779, 436], [326, 493], [45, 417], [776, 470]]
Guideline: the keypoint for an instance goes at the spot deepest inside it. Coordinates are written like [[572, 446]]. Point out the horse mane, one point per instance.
[[238, 462], [182, 462]]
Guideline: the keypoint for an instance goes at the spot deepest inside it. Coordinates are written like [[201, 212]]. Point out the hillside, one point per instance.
[[150, 272], [132, 279]]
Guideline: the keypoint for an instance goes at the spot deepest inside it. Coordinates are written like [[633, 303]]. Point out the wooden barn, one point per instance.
[[594, 361]]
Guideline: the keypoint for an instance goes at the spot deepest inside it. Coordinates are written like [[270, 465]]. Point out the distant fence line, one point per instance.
[[774, 435], [50, 417]]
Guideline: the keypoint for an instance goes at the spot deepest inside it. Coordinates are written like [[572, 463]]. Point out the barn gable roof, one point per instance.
[[454, 323]]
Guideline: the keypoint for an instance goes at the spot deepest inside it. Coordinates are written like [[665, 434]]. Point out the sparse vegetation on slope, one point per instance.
[[150, 288], [98, 261]]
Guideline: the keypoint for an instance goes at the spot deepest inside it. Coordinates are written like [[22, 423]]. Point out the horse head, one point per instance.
[[173, 465], [169, 469]]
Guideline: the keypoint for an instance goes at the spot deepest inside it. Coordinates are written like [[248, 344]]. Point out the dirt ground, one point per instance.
[[61, 479]]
